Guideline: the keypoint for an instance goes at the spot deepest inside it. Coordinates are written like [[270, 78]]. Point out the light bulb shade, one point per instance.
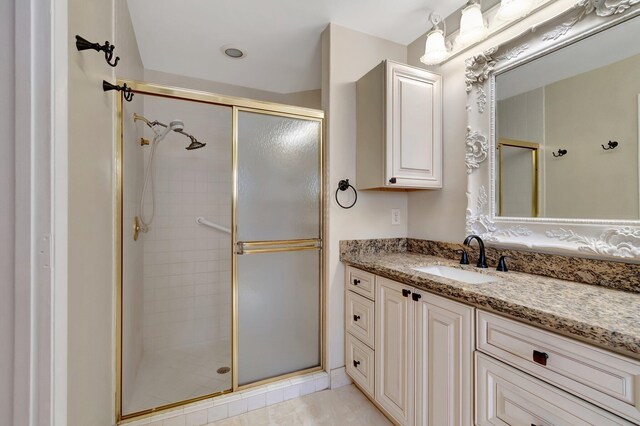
[[435, 50], [514, 9], [472, 27]]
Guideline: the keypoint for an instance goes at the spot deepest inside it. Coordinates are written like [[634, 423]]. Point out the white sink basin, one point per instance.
[[469, 277]]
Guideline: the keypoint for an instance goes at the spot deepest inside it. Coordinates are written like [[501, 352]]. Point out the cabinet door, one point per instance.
[[444, 361], [394, 343], [506, 396], [414, 127]]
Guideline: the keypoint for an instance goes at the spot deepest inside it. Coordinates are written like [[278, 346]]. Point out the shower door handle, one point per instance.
[[257, 247], [239, 247]]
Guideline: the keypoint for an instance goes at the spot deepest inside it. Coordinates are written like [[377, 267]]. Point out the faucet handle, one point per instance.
[[502, 265], [464, 260]]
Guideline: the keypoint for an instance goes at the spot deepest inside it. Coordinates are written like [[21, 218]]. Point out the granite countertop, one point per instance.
[[594, 314]]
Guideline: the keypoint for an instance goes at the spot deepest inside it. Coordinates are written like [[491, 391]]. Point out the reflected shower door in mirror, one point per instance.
[[176, 273], [517, 178], [579, 104]]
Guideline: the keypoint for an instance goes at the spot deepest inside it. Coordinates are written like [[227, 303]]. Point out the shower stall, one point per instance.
[[221, 261]]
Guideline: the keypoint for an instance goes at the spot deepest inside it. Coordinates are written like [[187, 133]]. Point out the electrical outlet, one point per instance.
[[395, 216]]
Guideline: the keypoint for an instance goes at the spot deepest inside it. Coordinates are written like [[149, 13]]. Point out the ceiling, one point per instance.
[[281, 38]]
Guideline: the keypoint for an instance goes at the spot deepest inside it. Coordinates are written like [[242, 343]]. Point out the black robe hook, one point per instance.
[[611, 144], [127, 94], [107, 48], [561, 153]]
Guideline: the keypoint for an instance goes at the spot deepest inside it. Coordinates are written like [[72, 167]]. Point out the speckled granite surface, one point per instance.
[[595, 314], [616, 275]]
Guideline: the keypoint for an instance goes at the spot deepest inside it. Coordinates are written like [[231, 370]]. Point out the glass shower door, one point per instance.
[[278, 245]]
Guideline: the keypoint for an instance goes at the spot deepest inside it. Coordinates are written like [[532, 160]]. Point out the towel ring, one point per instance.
[[343, 185]]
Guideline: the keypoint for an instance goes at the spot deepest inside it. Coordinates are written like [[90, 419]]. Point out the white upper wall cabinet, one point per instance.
[[399, 128]]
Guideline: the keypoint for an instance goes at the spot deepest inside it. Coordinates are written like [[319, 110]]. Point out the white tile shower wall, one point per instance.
[[187, 267]]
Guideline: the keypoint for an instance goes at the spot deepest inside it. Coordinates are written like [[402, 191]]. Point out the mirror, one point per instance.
[[552, 136], [578, 107]]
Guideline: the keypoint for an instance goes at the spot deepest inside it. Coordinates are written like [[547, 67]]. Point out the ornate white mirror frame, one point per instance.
[[605, 239]]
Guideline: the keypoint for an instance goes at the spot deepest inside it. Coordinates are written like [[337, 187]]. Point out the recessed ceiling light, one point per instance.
[[233, 52]]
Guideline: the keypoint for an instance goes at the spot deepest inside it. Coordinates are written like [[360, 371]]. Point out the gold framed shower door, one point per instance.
[[237, 104]]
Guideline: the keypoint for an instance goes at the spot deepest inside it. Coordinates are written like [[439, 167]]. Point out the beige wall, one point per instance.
[[347, 56], [581, 114], [91, 220], [7, 194], [308, 99], [440, 215]]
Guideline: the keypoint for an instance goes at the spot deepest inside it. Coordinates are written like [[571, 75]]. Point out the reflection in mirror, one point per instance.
[[577, 99], [518, 178]]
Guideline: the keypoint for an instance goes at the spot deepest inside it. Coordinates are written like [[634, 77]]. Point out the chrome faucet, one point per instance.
[[482, 260]]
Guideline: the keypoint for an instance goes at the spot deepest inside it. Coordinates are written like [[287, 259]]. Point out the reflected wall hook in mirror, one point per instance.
[[343, 185], [611, 144], [107, 48], [126, 90], [561, 153]]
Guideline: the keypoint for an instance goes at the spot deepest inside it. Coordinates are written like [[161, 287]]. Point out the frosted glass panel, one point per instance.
[[278, 314], [278, 178]]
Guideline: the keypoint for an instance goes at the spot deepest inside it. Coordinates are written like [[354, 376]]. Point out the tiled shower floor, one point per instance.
[[179, 374]]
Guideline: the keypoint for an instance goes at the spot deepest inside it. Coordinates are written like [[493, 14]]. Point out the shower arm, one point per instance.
[[152, 124], [182, 132]]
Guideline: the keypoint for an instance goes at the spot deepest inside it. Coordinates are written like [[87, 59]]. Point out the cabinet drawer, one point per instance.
[[361, 282], [360, 315], [604, 378], [360, 364], [505, 396]]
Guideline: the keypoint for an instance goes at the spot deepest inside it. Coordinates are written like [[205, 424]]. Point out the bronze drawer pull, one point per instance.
[[356, 317], [356, 363], [356, 281], [540, 358]]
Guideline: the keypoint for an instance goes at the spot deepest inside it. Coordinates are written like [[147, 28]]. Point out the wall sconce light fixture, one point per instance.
[[435, 48], [514, 9], [472, 25]]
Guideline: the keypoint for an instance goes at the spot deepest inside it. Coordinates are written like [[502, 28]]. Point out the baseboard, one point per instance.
[[339, 378]]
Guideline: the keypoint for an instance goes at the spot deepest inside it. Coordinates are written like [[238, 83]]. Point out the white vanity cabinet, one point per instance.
[[360, 328], [423, 353], [506, 396], [570, 369], [430, 361], [395, 342], [399, 128], [444, 361]]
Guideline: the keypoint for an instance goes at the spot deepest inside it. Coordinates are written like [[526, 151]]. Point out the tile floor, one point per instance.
[[179, 374], [342, 406]]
